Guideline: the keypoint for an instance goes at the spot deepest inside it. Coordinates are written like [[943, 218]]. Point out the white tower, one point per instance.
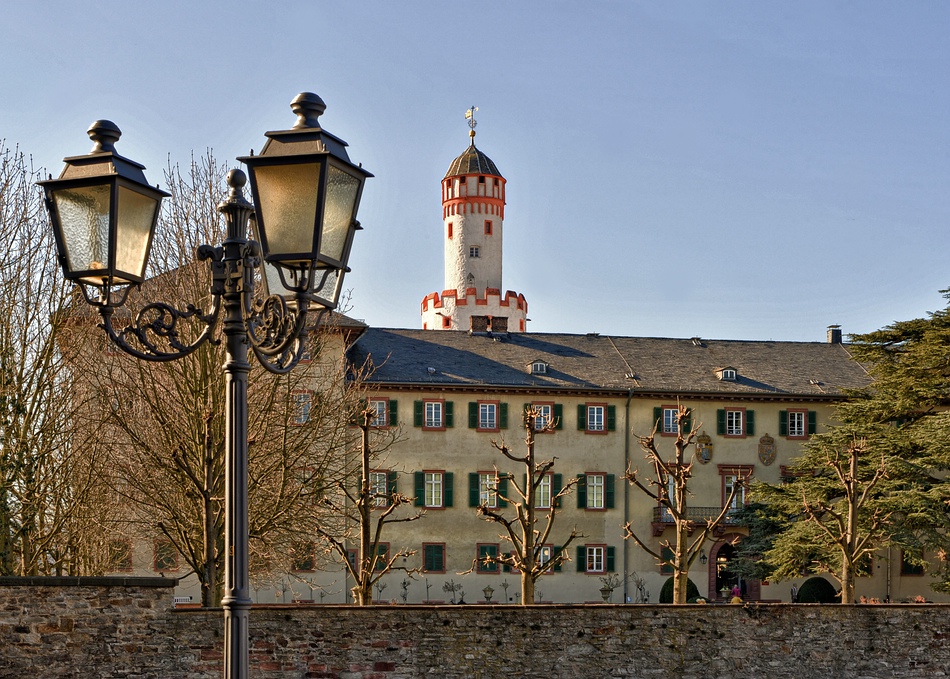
[[473, 214]]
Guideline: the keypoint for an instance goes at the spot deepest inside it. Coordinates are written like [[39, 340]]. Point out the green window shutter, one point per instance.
[[418, 408], [721, 421], [472, 415], [420, 479], [581, 492], [502, 415], [506, 567], [449, 410], [557, 483], [581, 553], [558, 416], [582, 417], [658, 418], [502, 488], [611, 418], [393, 412], [554, 555], [610, 482], [473, 489], [783, 423], [611, 557], [449, 490], [392, 478], [665, 568], [688, 424], [812, 422], [527, 407], [749, 422]]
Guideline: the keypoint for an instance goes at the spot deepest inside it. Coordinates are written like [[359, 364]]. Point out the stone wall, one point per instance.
[[113, 627]]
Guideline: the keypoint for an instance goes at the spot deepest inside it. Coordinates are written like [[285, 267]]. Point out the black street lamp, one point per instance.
[[306, 195]]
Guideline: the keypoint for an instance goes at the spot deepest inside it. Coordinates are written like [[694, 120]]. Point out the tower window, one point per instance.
[[481, 180], [473, 251], [451, 225], [487, 227]]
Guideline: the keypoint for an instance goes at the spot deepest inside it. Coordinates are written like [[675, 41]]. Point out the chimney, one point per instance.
[[499, 324], [479, 324], [834, 334]]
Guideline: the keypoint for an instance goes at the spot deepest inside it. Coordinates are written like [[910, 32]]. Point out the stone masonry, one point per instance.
[[127, 627]]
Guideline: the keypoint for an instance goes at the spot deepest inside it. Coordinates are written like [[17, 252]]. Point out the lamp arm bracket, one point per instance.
[[154, 333]]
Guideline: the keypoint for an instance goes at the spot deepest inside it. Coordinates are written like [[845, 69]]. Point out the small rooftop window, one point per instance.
[[727, 374], [539, 368]]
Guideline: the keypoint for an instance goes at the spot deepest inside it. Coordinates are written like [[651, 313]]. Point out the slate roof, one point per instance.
[[472, 161], [595, 362]]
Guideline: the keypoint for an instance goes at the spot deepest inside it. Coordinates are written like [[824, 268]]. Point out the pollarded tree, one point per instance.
[[535, 500], [669, 488], [371, 501]]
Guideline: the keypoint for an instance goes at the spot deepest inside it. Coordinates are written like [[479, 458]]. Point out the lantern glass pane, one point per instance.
[[342, 189], [84, 219], [136, 217], [329, 292], [288, 204]]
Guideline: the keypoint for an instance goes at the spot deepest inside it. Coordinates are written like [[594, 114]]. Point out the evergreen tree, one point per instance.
[[878, 478]]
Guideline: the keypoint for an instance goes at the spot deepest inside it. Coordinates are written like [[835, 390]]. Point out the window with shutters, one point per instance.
[[735, 422], [488, 489], [595, 559], [433, 415], [796, 424], [433, 557], [487, 555], [433, 489], [544, 414], [596, 418], [666, 419], [382, 412], [487, 415], [542, 494], [120, 556]]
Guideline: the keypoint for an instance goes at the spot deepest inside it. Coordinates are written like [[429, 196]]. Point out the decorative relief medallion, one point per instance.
[[767, 450], [704, 448]]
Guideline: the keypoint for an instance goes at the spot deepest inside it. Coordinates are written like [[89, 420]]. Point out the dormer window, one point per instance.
[[539, 368], [727, 374]]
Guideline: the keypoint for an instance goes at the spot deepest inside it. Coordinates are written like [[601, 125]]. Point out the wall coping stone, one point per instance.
[[85, 581]]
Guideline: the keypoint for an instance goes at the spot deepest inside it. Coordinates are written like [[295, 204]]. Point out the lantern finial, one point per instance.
[[308, 107], [105, 133]]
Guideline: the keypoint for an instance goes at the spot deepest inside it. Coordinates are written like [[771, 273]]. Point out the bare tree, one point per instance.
[[529, 554], [669, 487], [164, 422], [45, 472], [371, 508]]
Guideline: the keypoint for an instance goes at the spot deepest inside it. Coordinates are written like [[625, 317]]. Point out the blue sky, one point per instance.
[[734, 170]]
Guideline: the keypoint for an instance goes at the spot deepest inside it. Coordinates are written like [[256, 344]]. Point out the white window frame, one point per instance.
[[728, 481], [434, 489], [597, 418], [379, 487], [735, 422], [488, 489], [381, 408], [545, 414], [596, 490], [596, 559], [797, 424], [434, 415], [544, 491], [303, 404], [487, 416], [670, 425]]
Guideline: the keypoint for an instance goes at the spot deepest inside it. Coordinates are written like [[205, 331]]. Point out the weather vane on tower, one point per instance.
[[470, 116]]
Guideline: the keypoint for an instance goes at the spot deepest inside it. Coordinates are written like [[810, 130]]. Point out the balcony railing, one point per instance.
[[697, 515]]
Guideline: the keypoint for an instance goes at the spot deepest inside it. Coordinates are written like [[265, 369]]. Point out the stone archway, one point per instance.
[[719, 556]]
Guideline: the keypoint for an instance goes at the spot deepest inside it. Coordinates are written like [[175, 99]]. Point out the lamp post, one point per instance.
[[306, 194]]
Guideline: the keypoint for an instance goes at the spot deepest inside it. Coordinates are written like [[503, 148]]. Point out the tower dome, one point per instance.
[[473, 213]]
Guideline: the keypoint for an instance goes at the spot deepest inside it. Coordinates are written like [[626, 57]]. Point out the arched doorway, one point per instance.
[[722, 579]]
